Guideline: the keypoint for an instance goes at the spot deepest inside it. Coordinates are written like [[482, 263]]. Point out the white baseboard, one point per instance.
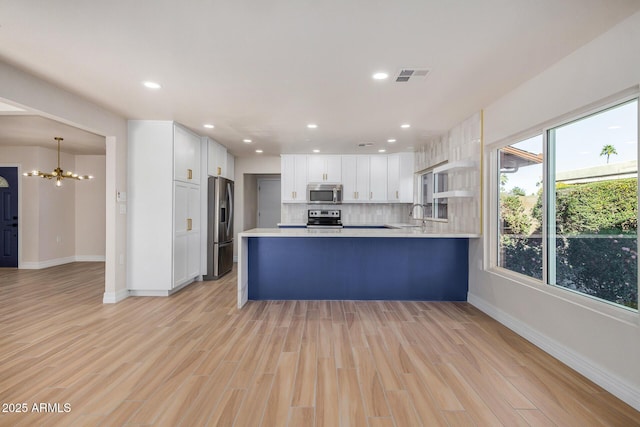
[[612, 383], [161, 293], [114, 297], [60, 261], [90, 258]]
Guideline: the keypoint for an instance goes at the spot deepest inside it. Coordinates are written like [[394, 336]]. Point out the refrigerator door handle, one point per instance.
[[229, 211]]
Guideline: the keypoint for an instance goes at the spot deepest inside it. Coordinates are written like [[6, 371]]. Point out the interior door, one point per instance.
[[268, 203], [9, 217]]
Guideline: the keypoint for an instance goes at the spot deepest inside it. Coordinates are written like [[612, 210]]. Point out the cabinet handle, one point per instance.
[[397, 197], [293, 194], [189, 224], [355, 194], [219, 170], [189, 174], [371, 195]]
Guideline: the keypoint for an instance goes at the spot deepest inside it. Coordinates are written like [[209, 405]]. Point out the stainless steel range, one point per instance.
[[319, 218]]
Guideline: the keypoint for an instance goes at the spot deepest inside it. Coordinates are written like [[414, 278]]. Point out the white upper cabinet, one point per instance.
[[293, 178], [378, 179], [231, 162], [216, 159], [324, 169], [355, 179], [186, 155], [400, 178]]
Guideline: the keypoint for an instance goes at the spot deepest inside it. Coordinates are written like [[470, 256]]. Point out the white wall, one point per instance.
[[58, 224], [601, 342], [53, 102], [248, 166], [90, 207], [56, 219]]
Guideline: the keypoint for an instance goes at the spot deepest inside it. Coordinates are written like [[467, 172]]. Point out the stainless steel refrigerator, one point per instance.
[[219, 227]]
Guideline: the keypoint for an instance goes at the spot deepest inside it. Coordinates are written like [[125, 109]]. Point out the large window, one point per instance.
[[574, 224], [593, 205]]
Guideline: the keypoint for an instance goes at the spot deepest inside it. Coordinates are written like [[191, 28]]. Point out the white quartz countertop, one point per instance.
[[414, 232]]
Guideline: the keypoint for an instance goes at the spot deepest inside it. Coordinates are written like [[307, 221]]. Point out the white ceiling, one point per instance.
[[40, 131], [264, 69]]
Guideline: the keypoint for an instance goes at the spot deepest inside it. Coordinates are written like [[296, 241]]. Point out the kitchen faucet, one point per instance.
[[411, 215]]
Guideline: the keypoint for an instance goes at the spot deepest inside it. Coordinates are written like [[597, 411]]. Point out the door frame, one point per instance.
[[279, 179], [19, 168]]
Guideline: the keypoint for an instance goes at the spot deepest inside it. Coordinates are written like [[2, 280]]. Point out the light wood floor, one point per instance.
[[193, 359]]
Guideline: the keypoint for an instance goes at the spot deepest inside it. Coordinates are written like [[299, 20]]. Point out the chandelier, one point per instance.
[[58, 173]]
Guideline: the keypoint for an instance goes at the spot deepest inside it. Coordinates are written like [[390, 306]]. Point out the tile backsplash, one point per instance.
[[461, 143], [352, 214]]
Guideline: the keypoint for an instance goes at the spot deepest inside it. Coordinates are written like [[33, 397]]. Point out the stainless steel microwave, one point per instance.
[[324, 193]]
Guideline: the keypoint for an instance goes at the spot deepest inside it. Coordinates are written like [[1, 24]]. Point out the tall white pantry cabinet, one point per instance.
[[164, 218]]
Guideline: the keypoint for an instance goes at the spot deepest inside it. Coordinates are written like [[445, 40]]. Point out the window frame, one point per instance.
[[492, 221], [420, 175]]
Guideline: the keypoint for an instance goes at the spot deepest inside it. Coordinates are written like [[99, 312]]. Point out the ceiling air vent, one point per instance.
[[411, 74]]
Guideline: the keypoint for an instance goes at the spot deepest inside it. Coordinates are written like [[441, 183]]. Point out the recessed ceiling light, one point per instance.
[[382, 150], [316, 151], [380, 76], [391, 140], [247, 141], [614, 127], [151, 85], [405, 126], [209, 126], [312, 125], [259, 151]]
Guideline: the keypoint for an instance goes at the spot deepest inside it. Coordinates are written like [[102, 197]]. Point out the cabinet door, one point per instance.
[[287, 177], [333, 169], [230, 167], [193, 231], [324, 169], [393, 174], [316, 169], [186, 156], [300, 179], [405, 178], [349, 179], [400, 181], [363, 169], [378, 179], [216, 159], [180, 236], [186, 233], [293, 170]]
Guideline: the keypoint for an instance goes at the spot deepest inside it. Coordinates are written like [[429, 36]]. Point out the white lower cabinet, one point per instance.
[[186, 233]]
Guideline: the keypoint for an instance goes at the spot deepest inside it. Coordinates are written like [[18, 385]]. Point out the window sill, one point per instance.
[[620, 313]]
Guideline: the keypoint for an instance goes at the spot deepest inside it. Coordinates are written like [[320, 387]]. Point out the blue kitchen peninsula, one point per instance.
[[352, 264]]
